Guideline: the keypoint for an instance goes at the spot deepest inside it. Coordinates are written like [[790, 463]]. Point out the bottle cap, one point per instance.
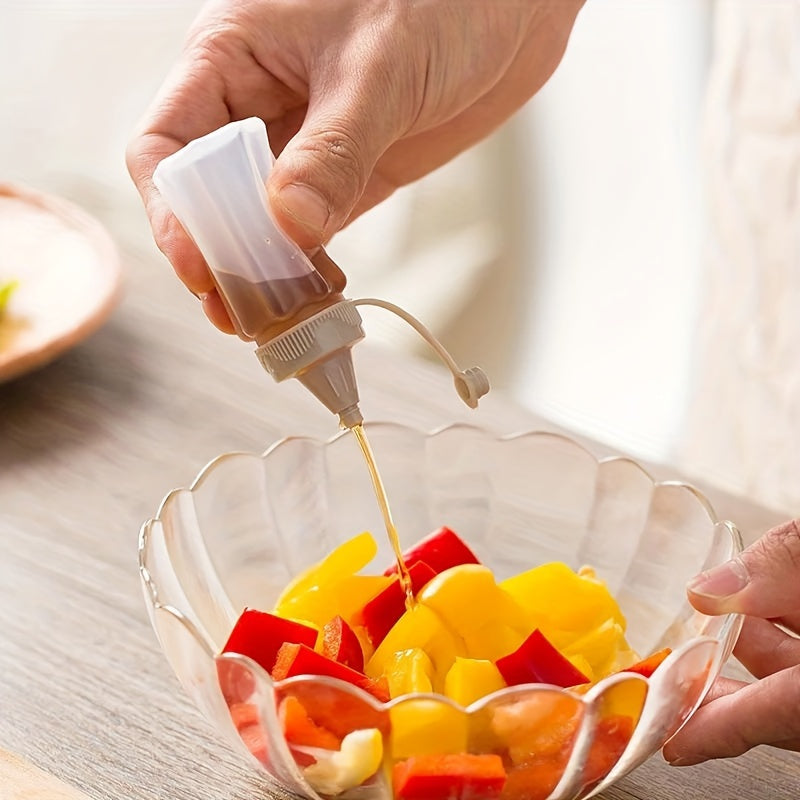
[[216, 187], [317, 353]]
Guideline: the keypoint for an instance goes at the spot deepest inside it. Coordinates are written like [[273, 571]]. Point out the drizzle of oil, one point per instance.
[[383, 504]]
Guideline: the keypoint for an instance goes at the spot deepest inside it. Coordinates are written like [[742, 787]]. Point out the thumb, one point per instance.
[[763, 581], [321, 173]]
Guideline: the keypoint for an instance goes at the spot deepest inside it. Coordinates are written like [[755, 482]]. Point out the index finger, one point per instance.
[[190, 104], [143, 155], [764, 712]]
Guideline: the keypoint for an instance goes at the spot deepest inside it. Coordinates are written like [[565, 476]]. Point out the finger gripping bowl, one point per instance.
[[249, 523]]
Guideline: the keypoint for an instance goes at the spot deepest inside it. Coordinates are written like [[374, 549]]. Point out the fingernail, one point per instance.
[[685, 761], [306, 205], [722, 581]]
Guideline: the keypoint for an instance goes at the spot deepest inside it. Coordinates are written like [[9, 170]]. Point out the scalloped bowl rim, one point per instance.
[[432, 433], [599, 686]]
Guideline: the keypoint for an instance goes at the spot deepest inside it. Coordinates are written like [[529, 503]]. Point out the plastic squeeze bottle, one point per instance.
[[303, 326], [297, 316]]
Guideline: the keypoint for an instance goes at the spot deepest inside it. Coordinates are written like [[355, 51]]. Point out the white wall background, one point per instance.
[[616, 221]]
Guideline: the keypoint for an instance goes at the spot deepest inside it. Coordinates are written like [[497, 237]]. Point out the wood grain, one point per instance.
[[89, 446], [20, 780]]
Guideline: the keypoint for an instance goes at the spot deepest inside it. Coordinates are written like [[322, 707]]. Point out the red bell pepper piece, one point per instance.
[[300, 729], [247, 721], [534, 779], [537, 661], [440, 550], [255, 740], [340, 643], [382, 611], [336, 710], [298, 659], [236, 682], [460, 776], [244, 714], [612, 737], [260, 635], [647, 666]]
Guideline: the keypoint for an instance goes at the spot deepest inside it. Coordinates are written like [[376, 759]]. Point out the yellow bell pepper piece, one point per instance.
[[427, 727], [469, 679], [600, 647], [344, 597], [473, 587], [331, 586], [343, 561], [418, 628], [622, 658], [358, 758], [557, 599], [409, 671], [625, 698], [492, 641], [582, 665]]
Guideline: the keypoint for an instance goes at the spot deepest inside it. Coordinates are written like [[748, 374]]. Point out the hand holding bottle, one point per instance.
[[359, 97]]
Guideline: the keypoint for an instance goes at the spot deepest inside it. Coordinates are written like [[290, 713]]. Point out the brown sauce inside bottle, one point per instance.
[[263, 309]]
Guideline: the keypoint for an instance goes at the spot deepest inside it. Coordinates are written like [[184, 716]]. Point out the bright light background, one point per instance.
[[563, 254], [616, 224]]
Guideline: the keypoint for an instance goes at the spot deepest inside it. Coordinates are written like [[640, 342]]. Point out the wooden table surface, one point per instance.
[[88, 447]]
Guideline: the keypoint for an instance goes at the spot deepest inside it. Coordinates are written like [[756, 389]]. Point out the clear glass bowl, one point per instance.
[[250, 522]]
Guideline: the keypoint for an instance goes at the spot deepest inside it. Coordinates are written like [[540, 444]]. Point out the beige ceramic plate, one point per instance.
[[68, 274]]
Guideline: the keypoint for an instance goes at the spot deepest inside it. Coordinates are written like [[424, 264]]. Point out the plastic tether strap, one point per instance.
[[471, 384]]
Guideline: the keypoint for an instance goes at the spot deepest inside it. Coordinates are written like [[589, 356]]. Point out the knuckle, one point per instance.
[[773, 710], [782, 544], [163, 232], [212, 37], [339, 155], [787, 652]]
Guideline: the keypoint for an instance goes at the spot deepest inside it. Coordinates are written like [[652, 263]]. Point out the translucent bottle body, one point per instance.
[[216, 188], [262, 309]]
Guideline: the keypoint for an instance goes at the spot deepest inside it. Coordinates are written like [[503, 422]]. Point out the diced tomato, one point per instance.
[[440, 550], [538, 661], [449, 777]]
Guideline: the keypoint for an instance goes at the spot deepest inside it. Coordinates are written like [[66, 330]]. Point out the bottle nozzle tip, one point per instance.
[[350, 417], [471, 385]]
